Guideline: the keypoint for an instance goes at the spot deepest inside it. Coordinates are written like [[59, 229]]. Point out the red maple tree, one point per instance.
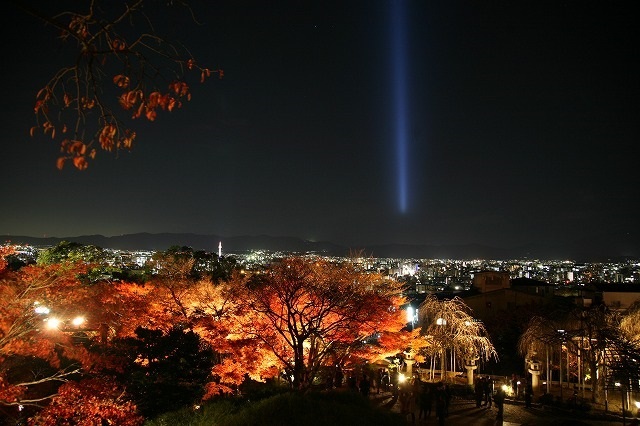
[[95, 401], [300, 314]]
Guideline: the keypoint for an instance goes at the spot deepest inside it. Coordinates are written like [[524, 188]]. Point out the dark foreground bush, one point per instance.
[[321, 409]]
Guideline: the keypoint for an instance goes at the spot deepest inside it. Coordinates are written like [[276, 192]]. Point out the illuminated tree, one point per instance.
[[299, 311], [119, 65], [448, 328], [595, 337], [202, 264], [5, 251], [630, 324], [622, 357], [97, 401], [66, 251], [27, 331]]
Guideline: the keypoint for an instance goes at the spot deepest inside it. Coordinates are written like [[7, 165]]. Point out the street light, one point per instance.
[[562, 339], [623, 397], [41, 309], [443, 357], [53, 323]]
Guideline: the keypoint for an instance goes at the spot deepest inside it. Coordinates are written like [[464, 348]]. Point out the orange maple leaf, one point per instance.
[[121, 81], [80, 163]]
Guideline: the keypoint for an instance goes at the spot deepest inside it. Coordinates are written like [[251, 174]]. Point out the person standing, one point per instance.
[[499, 399], [478, 388], [488, 390], [339, 377], [528, 393], [425, 401], [365, 386], [407, 406], [395, 380], [441, 403]]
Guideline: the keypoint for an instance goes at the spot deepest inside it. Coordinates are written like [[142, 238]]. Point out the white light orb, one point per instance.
[[53, 323]]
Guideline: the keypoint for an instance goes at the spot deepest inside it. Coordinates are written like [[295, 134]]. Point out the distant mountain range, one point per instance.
[[615, 249]]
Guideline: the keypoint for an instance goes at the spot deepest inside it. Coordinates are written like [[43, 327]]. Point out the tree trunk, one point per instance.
[[596, 380], [299, 379]]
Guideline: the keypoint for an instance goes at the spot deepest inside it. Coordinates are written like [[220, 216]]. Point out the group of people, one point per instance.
[[416, 395], [413, 394], [485, 395], [483, 391], [423, 396]]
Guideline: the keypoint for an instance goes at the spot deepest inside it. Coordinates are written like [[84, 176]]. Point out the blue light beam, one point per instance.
[[400, 107]]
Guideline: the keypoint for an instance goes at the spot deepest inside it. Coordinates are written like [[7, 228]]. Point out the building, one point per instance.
[[493, 292]]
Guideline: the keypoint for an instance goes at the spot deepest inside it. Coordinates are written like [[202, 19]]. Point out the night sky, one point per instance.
[[522, 126]]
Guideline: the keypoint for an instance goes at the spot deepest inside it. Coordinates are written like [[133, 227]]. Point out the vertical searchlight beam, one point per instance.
[[399, 100]]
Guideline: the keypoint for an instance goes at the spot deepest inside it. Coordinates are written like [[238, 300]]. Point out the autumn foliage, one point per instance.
[[119, 68], [303, 315], [289, 321], [89, 402]]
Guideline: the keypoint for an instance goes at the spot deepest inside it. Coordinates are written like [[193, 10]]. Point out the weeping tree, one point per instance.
[[623, 360], [592, 335], [630, 324], [541, 334], [449, 329]]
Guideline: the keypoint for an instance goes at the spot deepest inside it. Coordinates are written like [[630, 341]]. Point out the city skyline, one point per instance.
[[521, 130], [292, 245]]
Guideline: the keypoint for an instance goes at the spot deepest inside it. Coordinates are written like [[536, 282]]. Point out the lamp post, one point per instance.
[[534, 370], [443, 359], [409, 360], [561, 332], [622, 398], [470, 365]]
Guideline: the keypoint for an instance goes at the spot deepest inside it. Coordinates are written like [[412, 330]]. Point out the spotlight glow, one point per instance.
[[42, 310], [399, 84], [53, 323], [410, 314]]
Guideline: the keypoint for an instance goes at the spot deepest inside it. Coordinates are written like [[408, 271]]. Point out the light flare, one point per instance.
[[400, 113]]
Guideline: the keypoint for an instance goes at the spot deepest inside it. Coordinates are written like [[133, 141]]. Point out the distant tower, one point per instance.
[[220, 249]]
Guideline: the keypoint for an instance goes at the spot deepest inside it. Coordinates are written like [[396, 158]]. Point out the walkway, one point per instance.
[[464, 412]]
